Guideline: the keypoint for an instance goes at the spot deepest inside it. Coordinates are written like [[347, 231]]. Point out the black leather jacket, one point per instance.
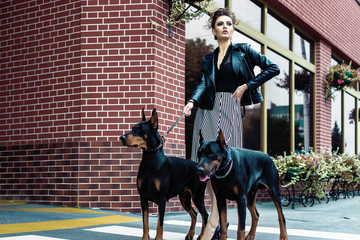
[[244, 59]]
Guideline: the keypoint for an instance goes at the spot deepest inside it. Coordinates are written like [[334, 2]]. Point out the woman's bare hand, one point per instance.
[[188, 107], [239, 92]]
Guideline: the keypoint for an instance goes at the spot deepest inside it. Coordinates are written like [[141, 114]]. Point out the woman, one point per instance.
[[227, 84]]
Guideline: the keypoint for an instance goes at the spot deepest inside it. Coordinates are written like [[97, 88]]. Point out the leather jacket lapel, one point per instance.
[[236, 59], [209, 67]]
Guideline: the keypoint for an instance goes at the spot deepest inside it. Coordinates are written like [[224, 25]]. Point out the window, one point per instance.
[[358, 128], [278, 31], [349, 123], [248, 12], [277, 98], [278, 134], [219, 3], [252, 120], [336, 123], [304, 48], [303, 87], [197, 29], [343, 129]]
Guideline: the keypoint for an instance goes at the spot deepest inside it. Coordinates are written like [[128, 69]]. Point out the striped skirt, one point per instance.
[[226, 115]]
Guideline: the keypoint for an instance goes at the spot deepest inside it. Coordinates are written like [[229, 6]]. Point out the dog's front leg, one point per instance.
[[145, 215], [241, 217], [160, 225]]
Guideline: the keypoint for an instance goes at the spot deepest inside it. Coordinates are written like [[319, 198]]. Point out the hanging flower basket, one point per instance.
[[339, 77], [179, 10]]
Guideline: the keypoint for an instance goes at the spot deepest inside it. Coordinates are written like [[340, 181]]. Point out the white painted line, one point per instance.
[[137, 232], [31, 237], [291, 232]]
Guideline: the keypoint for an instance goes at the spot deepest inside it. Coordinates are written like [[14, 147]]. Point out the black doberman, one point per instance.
[[161, 178], [236, 174]]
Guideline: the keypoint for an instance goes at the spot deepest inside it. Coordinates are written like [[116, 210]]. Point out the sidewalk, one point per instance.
[[333, 220], [19, 221]]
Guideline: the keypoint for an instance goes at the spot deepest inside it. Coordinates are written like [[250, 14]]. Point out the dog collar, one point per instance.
[[156, 148], [229, 163]]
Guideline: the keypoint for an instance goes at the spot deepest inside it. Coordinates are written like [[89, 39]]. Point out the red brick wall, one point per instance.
[[75, 76], [40, 98], [40, 72], [127, 64], [322, 106]]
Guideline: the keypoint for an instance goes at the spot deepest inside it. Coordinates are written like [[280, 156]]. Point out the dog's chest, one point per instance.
[[151, 179]]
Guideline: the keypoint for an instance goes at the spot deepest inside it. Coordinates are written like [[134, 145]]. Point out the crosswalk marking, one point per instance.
[[31, 237], [137, 232], [291, 232]]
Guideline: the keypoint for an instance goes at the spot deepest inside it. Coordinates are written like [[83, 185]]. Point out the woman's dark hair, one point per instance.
[[218, 13]]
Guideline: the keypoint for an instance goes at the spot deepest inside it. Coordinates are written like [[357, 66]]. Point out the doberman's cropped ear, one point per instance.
[[221, 139], [154, 119], [201, 138], [143, 115]]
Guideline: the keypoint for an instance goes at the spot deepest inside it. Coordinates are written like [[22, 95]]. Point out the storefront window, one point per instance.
[[304, 48], [336, 131], [277, 90], [248, 12], [251, 122], [336, 121], [197, 28], [349, 123], [303, 81], [219, 3], [278, 31], [199, 42], [278, 135]]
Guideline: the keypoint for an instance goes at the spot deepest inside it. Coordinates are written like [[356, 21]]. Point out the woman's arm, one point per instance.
[[269, 69]]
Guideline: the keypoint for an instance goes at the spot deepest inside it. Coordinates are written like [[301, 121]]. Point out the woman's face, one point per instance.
[[224, 28]]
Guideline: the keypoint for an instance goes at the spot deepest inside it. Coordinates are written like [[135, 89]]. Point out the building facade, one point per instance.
[[76, 74]]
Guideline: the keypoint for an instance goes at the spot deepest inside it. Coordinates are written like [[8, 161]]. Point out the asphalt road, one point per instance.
[[20, 221]]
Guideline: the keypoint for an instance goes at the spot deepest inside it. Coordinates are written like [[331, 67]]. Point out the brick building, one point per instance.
[[76, 74]]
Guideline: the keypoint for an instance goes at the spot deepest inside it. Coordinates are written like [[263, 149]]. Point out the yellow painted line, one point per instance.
[[54, 210], [63, 224], [9, 203]]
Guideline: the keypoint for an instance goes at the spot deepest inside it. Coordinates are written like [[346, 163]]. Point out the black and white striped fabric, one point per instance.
[[226, 115]]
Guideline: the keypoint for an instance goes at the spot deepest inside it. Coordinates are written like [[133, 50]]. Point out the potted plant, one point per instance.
[[340, 76]]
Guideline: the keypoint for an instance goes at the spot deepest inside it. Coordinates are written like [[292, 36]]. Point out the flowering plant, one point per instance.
[[318, 167], [179, 10], [340, 76]]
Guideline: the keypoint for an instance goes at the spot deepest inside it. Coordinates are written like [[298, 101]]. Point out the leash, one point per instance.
[[162, 138], [177, 121]]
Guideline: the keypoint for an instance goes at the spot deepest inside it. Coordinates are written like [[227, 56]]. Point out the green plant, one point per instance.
[[320, 168], [340, 76]]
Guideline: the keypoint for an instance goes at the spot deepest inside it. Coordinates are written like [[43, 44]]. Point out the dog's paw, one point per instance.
[[189, 237], [248, 237]]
